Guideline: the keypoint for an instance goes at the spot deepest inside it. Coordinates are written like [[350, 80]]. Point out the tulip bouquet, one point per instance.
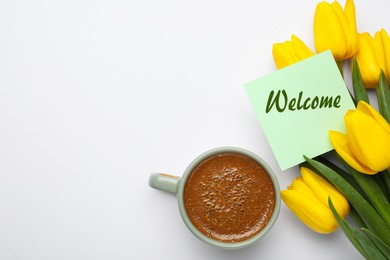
[[351, 189]]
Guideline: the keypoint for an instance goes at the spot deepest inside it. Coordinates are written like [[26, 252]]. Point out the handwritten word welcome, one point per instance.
[[281, 102]]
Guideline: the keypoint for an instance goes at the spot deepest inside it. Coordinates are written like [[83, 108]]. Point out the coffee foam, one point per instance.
[[229, 197]]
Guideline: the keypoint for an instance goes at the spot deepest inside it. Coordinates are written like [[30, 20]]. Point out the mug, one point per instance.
[[176, 185]]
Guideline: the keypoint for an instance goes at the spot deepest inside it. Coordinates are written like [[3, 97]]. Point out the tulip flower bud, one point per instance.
[[372, 57], [290, 52], [366, 145], [307, 197], [335, 29]]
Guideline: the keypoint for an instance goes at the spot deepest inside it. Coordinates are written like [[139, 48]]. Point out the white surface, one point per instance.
[[96, 95]]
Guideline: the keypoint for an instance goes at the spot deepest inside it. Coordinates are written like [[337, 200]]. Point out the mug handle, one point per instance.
[[165, 182]]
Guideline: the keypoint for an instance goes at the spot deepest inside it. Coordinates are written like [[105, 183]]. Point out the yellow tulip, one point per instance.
[[373, 55], [290, 52], [335, 29], [366, 146], [307, 197]]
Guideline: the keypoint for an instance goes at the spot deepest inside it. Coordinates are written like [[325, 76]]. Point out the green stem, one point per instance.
[[340, 66], [375, 195], [364, 245], [382, 246]]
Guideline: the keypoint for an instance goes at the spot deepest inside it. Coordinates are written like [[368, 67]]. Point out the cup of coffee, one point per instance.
[[228, 197]]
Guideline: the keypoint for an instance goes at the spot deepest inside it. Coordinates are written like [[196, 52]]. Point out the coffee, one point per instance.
[[229, 197]]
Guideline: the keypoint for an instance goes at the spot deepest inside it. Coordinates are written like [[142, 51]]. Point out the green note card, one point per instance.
[[298, 105]]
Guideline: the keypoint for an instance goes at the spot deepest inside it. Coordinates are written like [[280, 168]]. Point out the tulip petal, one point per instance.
[[340, 143], [310, 211], [283, 54], [350, 29], [328, 30], [299, 185], [322, 189], [386, 49], [366, 58], [301, 50], [379, 52], [290, 52], [369, 110], [368, 141], [337, 8]]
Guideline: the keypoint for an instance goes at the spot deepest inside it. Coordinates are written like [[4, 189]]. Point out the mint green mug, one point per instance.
[[176, 185]]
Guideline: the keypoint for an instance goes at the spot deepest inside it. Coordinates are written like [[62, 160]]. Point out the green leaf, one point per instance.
[[380, 178], [373, 191], [383, 93], [369, 215], [386, 179], [358, 85], [361, 243], [346, 175], [384, 248], [356, 217]]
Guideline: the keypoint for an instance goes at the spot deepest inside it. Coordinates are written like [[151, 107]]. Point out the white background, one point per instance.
[[96, 95]]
